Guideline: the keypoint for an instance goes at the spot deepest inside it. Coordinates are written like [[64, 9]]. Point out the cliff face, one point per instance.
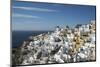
[[61, 46]]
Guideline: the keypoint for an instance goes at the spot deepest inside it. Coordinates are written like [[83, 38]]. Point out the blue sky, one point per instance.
[[45, 16]]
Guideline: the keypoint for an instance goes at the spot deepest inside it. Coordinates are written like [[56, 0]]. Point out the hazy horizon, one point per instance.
[[30, 16]]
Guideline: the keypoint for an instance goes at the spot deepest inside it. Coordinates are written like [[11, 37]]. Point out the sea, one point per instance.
[[19, 36]]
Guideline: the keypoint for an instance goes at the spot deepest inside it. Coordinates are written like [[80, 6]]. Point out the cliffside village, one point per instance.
[[64, 45]]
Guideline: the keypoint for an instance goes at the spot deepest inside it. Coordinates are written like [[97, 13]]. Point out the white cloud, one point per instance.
[[34, 9], [24, 16]]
